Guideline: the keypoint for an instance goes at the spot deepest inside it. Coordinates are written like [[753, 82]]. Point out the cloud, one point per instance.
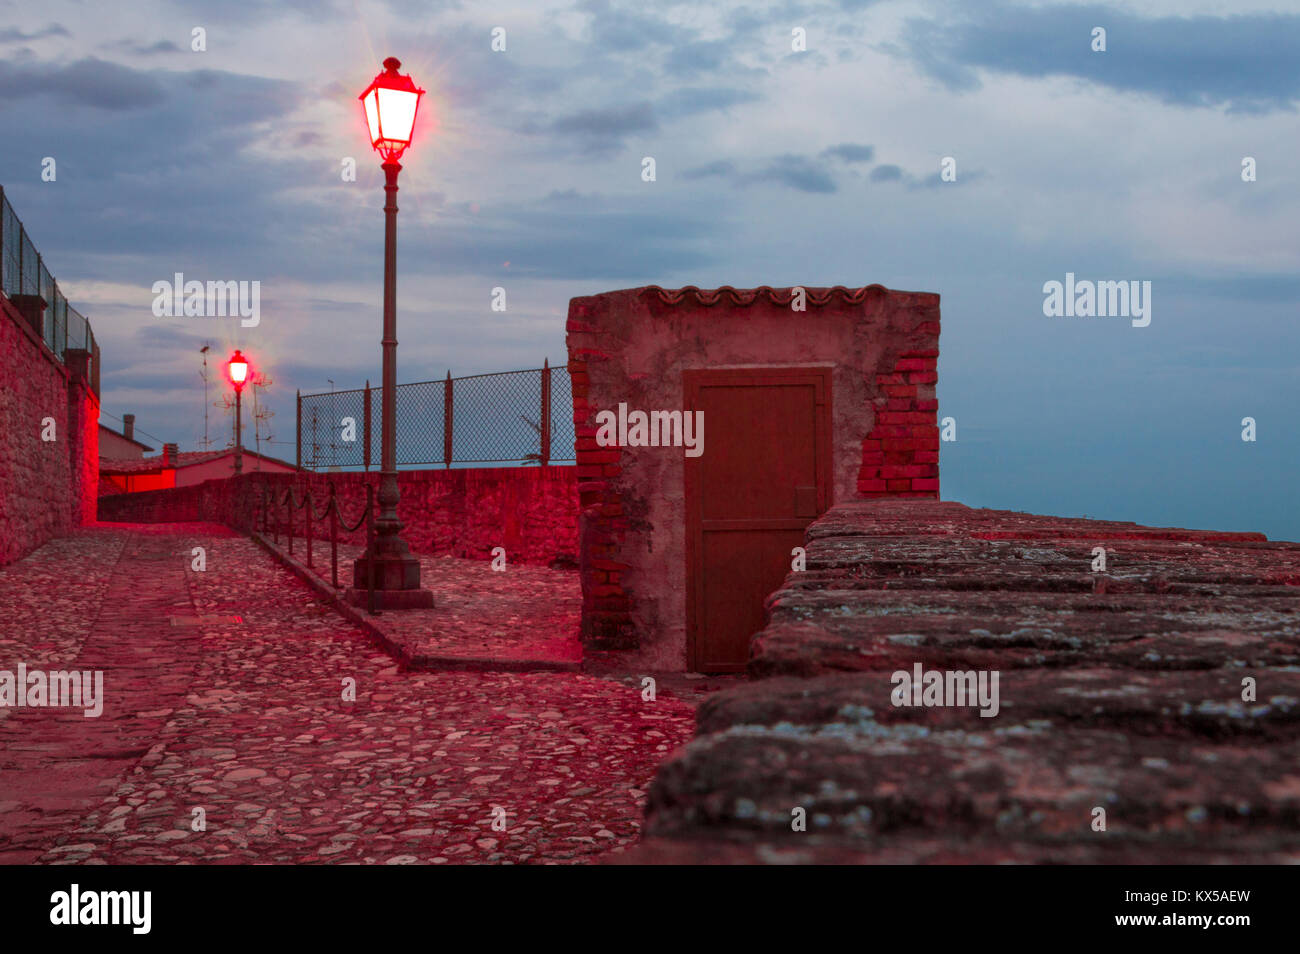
[[15, 35], [850, 152], [617, 30], [1247, 63], [691, 100], [722, 168], [796, 172], [612, 121], [691, 59], [242, 11], [579, 237], [935, 179], [87, 82], [603, 130], [161, 46], [886, 173], [800, 173]]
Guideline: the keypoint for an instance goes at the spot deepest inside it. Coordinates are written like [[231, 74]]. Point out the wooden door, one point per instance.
[[763, 477]]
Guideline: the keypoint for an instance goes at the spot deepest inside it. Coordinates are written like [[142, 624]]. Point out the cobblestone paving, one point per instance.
[[248, 722], [519, 615]]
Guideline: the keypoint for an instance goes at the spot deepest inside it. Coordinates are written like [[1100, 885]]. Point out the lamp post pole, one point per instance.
[[387, 524], [239, 431], [390, 104]]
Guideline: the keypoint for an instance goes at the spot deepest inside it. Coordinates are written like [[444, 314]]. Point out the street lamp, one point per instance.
[[390, 104], [237, 370]]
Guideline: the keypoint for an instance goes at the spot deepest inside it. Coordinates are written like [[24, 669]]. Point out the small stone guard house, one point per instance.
[[806, 397]]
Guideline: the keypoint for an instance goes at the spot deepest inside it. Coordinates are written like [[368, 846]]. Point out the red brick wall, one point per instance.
[[46, 488], [900, 455], [632, 345], [531, 511], [606, 622]]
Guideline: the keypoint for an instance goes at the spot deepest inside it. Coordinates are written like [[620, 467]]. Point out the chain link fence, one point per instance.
[[510, 417], [23, 272]]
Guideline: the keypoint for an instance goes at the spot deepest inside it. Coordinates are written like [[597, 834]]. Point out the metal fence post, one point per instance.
[[366, 416], [49, 305], [498, 406], [546, 412], [446, 421]]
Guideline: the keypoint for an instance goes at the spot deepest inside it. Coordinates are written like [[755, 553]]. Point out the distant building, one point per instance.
[[174, 469], [123, 446]]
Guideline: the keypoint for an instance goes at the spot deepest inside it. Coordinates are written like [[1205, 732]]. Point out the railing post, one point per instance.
[[366, 416], [546, 412], [446, 421], [307, 509], [370, 543], [334, 536], [298, 431]]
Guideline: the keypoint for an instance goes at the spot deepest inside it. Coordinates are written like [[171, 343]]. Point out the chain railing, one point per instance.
[[521, 417], [276, 516], [23, 272]]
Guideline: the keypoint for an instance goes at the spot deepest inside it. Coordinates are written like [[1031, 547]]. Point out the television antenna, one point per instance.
[[207, 444]]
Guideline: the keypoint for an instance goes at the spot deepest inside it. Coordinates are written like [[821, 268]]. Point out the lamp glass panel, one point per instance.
[[396, 113], [372, 114]]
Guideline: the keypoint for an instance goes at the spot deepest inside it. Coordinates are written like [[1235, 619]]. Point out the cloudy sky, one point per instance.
[[774, 166]]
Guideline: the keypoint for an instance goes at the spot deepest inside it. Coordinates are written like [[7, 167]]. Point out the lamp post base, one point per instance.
[[390, 599], [397, 583]]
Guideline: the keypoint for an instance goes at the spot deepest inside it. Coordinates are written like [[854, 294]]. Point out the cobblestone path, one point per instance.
[[250, 727]]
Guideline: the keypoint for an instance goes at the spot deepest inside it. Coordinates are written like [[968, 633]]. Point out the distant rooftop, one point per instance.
[[119, 434], [155, 465]]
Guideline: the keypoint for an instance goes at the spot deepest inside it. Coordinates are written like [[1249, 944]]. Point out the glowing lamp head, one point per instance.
[[391, 102], [238, 369]]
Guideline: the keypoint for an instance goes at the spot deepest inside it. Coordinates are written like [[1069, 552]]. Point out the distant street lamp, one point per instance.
[[237, 369], [390, 104]]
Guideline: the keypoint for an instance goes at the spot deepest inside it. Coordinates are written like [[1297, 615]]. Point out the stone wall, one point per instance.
[[531, 511], [633, 346], [1162, 689], [46, 487]]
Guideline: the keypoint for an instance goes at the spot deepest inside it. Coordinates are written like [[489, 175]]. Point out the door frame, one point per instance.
[[692, 381]]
